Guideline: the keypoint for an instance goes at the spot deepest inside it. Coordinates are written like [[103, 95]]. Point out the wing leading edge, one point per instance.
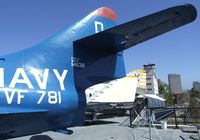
[[129, 34]]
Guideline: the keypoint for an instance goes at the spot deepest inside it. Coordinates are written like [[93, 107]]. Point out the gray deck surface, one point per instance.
[[109, 129]]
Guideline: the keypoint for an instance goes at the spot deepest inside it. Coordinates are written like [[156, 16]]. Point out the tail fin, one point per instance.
[[97, 21], [91, 65]]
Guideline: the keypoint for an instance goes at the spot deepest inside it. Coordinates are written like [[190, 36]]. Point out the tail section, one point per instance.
[[100, 55], [94, 65], [97, 21], [104, 49], [60, 56]]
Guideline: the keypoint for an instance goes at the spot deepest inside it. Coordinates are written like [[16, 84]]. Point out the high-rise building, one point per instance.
[[152, 86], [175, 83], [151, 81], [196, 86]]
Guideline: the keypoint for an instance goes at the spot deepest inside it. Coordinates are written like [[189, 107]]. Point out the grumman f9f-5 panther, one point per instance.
[[43, 87]]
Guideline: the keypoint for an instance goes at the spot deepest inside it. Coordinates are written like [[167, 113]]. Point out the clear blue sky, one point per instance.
[[24, 23]]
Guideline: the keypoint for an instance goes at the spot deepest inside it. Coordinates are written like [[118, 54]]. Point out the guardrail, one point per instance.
[[178, 115]]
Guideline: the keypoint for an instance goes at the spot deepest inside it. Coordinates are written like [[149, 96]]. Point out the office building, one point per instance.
[[196, 86], [175, 86]]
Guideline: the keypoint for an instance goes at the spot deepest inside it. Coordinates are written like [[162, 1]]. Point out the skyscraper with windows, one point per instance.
[[151, 81], [175, 86]]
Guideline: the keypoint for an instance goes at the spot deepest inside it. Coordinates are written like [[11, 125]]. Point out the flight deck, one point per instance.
[[115, 128]]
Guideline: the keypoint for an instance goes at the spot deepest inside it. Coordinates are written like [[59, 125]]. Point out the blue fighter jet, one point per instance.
[[42, 88]]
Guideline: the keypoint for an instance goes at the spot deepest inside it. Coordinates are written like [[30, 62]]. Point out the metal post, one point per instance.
[[175, 119], [149, 124], [195, 115], [131, 116]]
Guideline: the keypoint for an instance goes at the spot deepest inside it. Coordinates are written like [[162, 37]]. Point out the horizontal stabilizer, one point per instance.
[[137, 31], [153, 96], [115, 91]]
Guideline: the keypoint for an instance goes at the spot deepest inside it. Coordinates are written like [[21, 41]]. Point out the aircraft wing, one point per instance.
[[137, 31]]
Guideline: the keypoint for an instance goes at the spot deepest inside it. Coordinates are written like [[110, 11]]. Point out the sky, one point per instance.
[[24, 23]]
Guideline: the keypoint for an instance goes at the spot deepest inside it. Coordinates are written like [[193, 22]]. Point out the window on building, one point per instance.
[[149, 89]]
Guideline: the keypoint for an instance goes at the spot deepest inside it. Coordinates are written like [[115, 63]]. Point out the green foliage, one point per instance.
[[194, 99], [163, 88], [169, 99], [194, 91]]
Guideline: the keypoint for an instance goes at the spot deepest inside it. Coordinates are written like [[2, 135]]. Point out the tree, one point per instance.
[[163, 88], [169, 99]]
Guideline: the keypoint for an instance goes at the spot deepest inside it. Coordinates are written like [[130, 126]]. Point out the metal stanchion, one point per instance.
[[149, 113]]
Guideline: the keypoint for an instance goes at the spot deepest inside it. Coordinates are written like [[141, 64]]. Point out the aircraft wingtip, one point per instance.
[[190, 11]]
